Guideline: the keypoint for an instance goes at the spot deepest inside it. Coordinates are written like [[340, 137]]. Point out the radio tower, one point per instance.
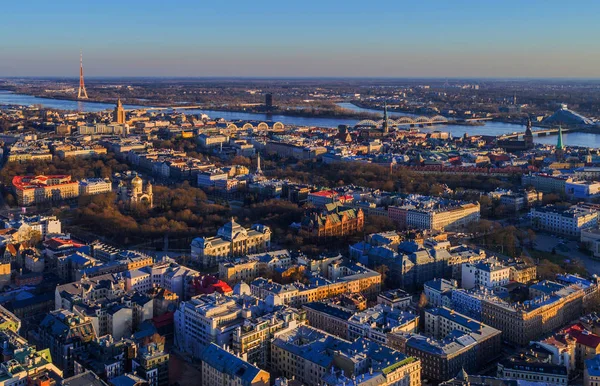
[[82, 94]]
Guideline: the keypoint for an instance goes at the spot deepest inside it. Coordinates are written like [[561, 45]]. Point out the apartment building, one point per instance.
[[569, 222], [452, 342], [528, 321], [91, 186], [439, 292], [314, 357], [253, 266], [221, 367], [252, 340], [488, 274], [439, 217], [356, 279], [545, 182], [206, 319]]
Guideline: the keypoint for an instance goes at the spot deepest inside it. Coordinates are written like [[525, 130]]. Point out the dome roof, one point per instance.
[[241, 288]]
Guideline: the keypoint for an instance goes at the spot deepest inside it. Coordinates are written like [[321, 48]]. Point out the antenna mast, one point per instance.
[[82, 93]]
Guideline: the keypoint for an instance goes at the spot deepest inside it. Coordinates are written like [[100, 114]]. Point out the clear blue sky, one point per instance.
[[419, 38]]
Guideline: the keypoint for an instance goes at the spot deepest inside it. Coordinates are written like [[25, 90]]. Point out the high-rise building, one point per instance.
[[119, 116], [269, 101]]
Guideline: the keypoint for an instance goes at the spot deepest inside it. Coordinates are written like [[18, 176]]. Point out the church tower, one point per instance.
[[528, 137], [119, 115], [559, 152], [386, 129], [258, 169]]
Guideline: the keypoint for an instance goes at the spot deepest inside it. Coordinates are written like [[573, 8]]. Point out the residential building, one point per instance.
[[545, 182], [591, 239], [314, 357], [439, 292], [587, 344], [524, 322], [63, 332], [152, 363], [397, 298], [356, 279], [568, 222], [452, 342], [533, 365], [91, 186], [206, 319], [423, 213], [468, 302], [379, 322], [591, 372], [252, 340], [330, 318], [220, 367], [253, 266], [488, 274], [519, 201], [582, 190]]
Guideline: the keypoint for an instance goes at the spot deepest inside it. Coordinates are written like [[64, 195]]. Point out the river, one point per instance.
[[10, 98], [490, 128]]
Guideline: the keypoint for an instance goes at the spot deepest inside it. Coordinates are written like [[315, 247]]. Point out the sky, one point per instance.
[[307, 38]]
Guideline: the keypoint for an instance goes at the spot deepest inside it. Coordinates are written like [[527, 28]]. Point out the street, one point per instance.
[[568, 248]]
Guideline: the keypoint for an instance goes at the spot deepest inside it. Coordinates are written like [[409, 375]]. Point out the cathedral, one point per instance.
[[378, 132], [119, 114], [132, 191], [511, 145]]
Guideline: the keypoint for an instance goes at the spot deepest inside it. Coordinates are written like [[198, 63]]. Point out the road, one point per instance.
[[570, 249]]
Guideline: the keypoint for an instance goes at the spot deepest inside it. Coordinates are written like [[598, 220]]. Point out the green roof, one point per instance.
[[397, 365]]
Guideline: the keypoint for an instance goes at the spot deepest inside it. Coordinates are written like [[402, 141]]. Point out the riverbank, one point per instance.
[[491, 128], [140, 103]]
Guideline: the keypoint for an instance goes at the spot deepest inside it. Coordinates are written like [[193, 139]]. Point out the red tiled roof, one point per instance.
[[324, 193], [583, 336]]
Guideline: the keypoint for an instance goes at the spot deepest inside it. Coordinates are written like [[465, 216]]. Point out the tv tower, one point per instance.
[[82, 94]]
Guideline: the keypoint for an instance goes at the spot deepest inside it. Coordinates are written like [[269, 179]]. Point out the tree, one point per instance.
[[383, 270], [531, 236], [423, 301]]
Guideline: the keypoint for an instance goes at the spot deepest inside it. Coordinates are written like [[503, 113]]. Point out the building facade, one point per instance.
[[232, 240], [31, 190]]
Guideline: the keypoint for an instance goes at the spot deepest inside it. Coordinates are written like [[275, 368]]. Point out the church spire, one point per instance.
[[385, 118], [258, 169], [559, 152], [559, 142]]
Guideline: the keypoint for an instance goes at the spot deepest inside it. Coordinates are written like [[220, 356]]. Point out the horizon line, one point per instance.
[[302, 77]]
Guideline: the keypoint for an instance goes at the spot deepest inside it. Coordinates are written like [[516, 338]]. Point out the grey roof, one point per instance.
[[226, 362], [87, 378], [331, 310], [127, 380]]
